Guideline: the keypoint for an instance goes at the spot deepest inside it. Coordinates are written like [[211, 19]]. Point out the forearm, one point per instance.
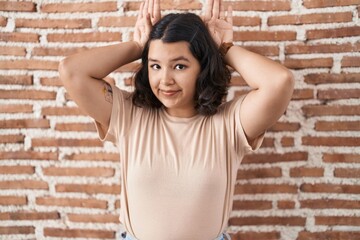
[[101, 61], [258, 71]]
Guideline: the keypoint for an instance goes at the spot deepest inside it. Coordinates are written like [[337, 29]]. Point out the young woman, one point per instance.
[[180, 144]]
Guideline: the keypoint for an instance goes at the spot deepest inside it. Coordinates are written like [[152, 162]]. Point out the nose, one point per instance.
[[167, 78]]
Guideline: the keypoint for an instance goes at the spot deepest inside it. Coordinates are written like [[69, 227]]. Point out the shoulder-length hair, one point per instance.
[[213, 80]]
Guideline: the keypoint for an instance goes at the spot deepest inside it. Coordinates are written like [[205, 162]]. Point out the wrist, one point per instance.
[[225, 47]]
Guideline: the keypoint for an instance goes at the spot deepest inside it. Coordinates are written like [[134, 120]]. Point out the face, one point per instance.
[[173, 72]]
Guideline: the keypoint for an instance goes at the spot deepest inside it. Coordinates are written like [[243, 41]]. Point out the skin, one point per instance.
[[272, 84], [173, 71]]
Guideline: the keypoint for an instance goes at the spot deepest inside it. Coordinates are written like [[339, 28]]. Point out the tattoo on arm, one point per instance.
[[108, 93]]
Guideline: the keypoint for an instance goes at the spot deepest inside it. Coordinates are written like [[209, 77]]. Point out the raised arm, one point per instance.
[[82, 74], [272, 84]]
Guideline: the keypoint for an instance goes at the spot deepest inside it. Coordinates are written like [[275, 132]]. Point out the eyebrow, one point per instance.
[[172, 60]]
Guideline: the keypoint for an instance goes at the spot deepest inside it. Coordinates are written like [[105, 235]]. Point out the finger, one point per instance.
[[222, 13], [145, 9], [229, 17], [151, 8], [148, 24], [157, 10], [216, 9], [141, 11], [209, 7]]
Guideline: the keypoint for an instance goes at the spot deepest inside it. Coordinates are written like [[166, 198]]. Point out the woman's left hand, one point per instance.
[[220, 27]]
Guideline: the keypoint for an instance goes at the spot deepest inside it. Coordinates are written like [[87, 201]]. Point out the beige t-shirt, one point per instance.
[[178, 174]]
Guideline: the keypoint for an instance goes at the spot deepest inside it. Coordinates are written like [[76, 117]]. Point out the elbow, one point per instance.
[[64, 70], [286, 82]]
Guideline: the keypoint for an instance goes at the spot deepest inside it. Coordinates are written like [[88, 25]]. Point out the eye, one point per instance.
[[155, 66], [180, 67]]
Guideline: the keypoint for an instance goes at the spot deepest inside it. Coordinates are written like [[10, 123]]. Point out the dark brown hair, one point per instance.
[[213, 80]]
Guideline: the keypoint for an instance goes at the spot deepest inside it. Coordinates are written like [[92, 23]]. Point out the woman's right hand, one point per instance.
[[149, 14]]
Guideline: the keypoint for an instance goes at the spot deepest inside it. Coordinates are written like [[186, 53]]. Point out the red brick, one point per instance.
[[341, 157], [285, 126], [260, 5], [122, 21], [24, 184], [84, 37], [29, 155], [301, 94], [346, 173], [3, 21], [88, 188], [178, 5], [308, 63], [94, 218], [13, 51], [55, 51], [29, 64], [287, 141], [17, 6], [337, 126], [78, 233], [79, 172], [350, 61], [275, 157], [330, 203], [286, 204], [312, 18], [53, 23], [16, 108], [79, 7], [246, 21], [327, 3], [264, 50], [51, 81], [61, 111], [320, 48], [336, 110], [259, 173], [25, 123], [101, 156], [331, 94], [333, 33], [13, 200], [264, 36], [330, 188], [19, 37], [18, 216], [72, 202], [265, 188], [306, 172], [252, 205], [12, 138], [88, 127], [329, 235], [337, 221], [16, 79], [282, 221], [17, 230], [117, 204], [256, 235], [330, 141], [237, 81], [27, 94], [268, 142], [17, 170], [332, 78], [65, 142]]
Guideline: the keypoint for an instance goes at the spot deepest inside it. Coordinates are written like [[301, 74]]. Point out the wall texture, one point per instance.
[[57, 180]]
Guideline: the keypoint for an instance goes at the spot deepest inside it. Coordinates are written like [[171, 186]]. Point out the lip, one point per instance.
[[169, 93]]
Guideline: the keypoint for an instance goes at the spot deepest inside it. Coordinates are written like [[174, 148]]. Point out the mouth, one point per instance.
[[169, 93]]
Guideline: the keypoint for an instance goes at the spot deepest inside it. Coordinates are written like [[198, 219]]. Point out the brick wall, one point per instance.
[[58, 180]]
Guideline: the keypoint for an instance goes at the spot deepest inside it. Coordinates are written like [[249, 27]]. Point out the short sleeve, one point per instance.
[[237, 134], [120, 117]]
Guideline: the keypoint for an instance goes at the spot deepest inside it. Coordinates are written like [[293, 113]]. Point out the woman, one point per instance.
[[180, 145]]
